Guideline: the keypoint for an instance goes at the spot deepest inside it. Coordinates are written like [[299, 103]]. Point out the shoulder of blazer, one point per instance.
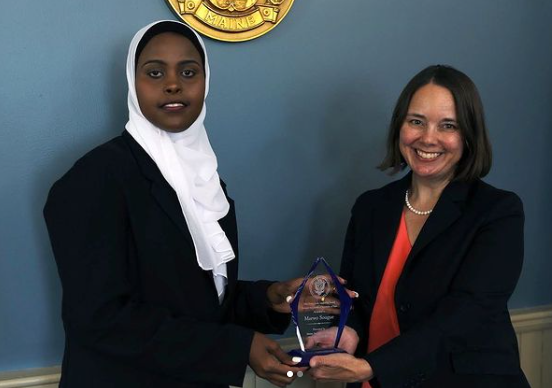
[[483, 197], [109, 157], [110, 152], [391, 192], [484, 190]]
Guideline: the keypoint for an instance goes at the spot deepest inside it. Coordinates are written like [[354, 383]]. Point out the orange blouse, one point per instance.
[[384, 324]]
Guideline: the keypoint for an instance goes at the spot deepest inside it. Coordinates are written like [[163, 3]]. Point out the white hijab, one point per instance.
[[189, 165]]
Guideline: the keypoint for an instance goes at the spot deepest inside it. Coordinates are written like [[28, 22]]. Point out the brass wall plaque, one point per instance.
[[231, 20]]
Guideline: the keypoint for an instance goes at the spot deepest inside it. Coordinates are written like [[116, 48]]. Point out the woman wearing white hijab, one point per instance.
[[145, 240]]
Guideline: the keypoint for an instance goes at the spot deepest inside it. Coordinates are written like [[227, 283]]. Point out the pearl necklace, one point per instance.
[[412, 209]]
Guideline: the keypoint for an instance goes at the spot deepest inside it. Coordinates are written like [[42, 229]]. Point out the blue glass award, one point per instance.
[[320, 302]]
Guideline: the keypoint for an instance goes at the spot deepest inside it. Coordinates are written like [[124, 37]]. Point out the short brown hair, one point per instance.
[[477, 157]]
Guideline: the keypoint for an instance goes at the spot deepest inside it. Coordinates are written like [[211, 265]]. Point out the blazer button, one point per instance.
[[403, 308]]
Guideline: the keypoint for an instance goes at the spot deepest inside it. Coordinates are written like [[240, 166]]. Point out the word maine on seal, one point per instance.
[[231, 20]]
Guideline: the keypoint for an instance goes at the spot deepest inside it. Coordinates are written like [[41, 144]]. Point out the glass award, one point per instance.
[[320, 302]]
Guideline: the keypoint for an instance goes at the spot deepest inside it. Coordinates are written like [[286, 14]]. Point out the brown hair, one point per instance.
[[476, 159]]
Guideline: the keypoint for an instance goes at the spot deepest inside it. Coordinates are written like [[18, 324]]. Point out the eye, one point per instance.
[[415, 122], [450, 126], [155, 74], [188, 73]]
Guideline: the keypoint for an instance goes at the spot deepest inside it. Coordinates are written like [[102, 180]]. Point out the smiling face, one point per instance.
[[170, 82], [430, 140]]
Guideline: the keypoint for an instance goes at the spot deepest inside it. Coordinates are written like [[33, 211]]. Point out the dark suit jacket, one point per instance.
[[138, 311], [451, 297]]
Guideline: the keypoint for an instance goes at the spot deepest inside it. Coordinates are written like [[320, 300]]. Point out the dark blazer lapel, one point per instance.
[[447, 210], [387, 216], [163, 193]]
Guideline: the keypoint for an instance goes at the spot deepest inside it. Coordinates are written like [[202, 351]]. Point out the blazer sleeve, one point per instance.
[[479, 292], [251, 308], [102, 310]]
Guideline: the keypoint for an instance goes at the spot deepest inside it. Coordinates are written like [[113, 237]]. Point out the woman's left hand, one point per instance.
[[280, 294], [326, 339], [340, 367]]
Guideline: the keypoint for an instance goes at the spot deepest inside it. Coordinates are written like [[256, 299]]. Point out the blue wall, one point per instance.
[[298, 119]]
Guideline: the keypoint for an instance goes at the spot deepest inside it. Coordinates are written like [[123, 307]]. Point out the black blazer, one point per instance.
[[451, 297], [138, 311]]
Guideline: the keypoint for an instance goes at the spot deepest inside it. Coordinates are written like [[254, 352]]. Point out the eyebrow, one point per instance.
[[416, 115], [420, 116], [161, 62]]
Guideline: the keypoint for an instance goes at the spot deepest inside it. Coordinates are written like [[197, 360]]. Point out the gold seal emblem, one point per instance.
[[231, 20]]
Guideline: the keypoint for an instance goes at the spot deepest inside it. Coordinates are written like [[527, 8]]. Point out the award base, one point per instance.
[[306, 355]]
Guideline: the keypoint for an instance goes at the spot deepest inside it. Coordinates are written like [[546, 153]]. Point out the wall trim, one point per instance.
[[524, 320], [529, 319], [35, 378]]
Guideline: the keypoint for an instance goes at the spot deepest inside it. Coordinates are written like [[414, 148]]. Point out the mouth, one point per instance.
[[427, 155], [174, 106]]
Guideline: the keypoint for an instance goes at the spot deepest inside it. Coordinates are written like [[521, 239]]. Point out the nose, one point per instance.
[[429, 135], [172, 85]]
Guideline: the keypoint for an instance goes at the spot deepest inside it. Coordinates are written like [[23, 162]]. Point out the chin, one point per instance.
[[172, 127], [174, 130], [434, 175]]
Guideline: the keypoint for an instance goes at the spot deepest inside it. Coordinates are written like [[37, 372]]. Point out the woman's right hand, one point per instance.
[[326, 339], [269, 361], [340, 367]]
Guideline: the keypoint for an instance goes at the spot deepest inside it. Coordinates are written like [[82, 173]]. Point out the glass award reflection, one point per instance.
[[320, 302]]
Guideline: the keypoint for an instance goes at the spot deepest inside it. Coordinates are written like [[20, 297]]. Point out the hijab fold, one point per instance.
[[189, 164]]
